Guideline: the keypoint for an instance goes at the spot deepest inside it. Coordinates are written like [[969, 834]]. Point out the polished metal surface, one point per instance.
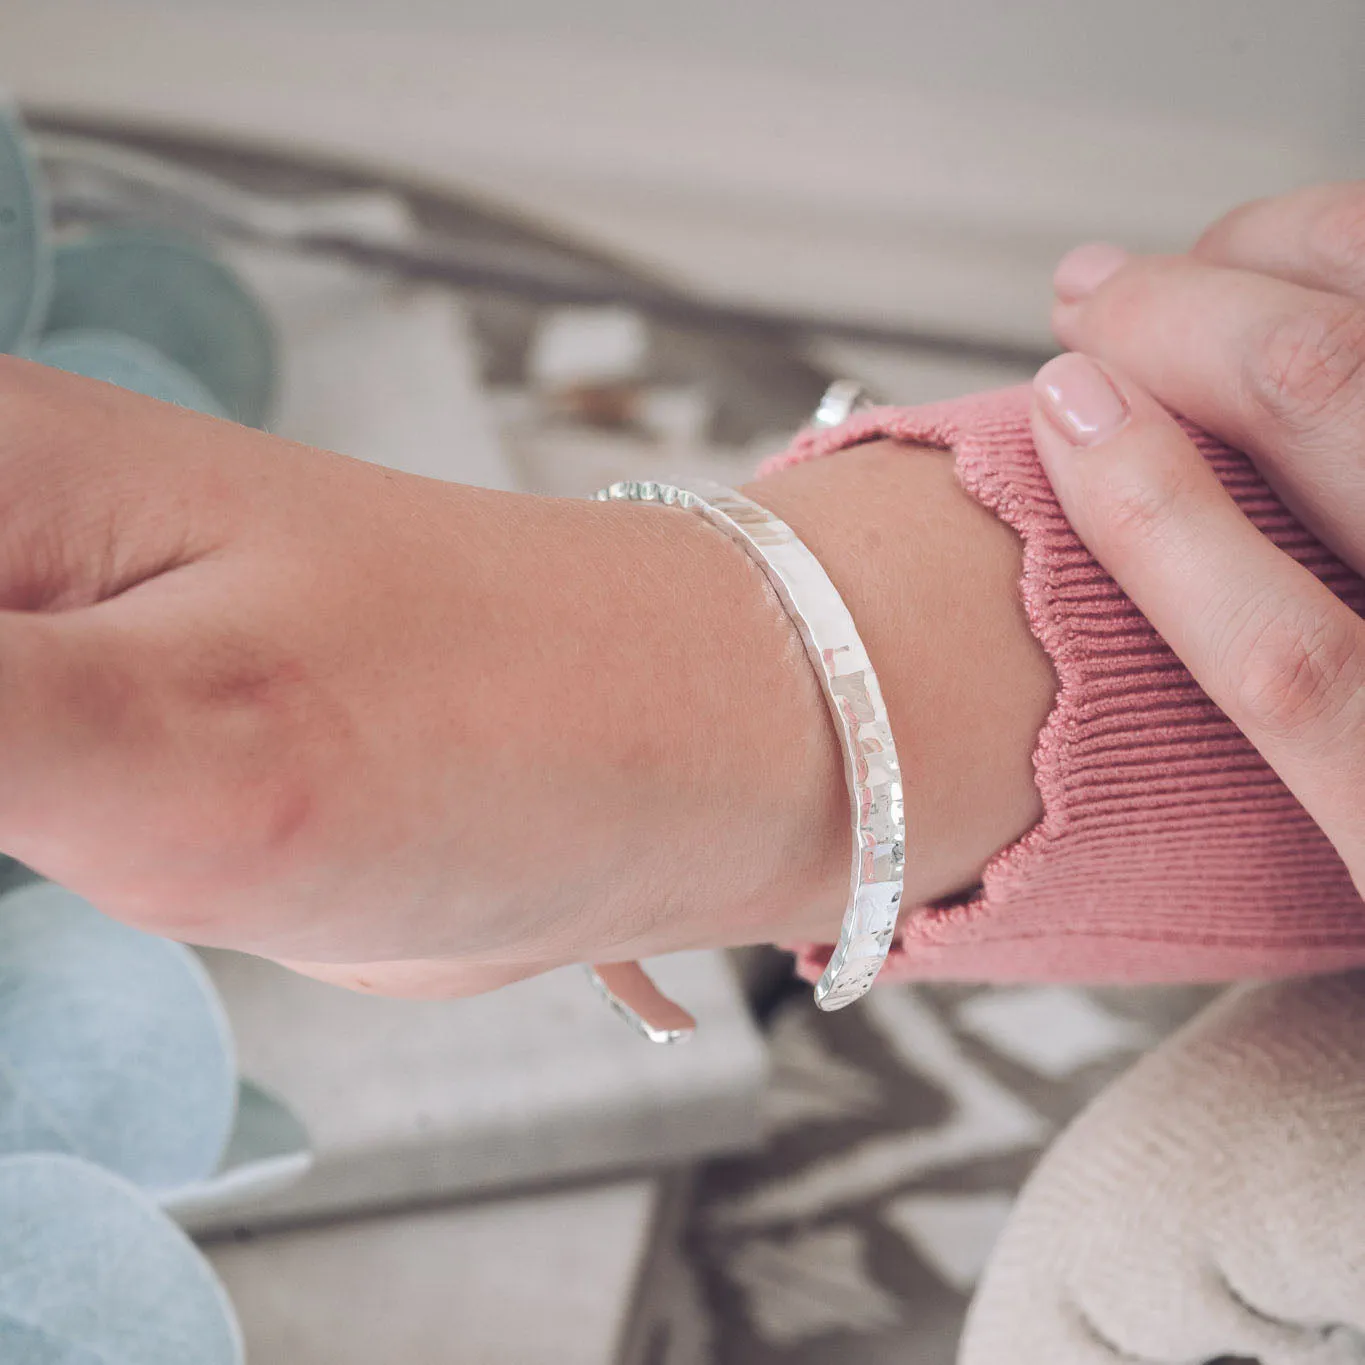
[[839, 402], [629, 991], [850, 685]]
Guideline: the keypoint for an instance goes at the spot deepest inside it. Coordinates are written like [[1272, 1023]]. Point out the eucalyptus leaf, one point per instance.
[[113, 1044], [176, 298], [13, 874], [92, 1273], [25, 245], [269, 1150], [125, 361]]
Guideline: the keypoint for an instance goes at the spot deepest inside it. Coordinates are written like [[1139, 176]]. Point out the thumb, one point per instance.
[[1277, 651]]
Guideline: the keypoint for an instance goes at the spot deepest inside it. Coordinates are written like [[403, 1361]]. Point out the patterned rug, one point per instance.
[[899, 1133]]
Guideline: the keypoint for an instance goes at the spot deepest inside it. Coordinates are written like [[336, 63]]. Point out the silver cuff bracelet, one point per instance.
[[855, 701]]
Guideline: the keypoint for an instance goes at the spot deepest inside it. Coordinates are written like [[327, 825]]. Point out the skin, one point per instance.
[[1258, 335], [425, 739]]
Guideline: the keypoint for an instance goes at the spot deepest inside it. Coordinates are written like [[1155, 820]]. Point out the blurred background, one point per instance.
[[545, 245]]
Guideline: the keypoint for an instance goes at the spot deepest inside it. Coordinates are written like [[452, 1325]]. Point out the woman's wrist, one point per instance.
[[931, 579], [689, 784], [722, 815]]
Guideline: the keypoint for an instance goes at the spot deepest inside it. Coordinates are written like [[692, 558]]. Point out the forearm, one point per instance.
[[347, 716], [272, 699], [681, 738], [932, 581]]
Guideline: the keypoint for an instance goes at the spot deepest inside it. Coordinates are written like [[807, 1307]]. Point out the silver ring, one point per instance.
[[839, 402]]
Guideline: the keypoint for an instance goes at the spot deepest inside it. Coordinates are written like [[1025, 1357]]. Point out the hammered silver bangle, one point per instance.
[[850, 686]]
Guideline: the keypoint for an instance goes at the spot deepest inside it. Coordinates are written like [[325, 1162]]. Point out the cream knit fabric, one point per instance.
[[1210, 1204]]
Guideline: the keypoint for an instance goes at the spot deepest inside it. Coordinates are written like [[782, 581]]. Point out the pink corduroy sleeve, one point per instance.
[[1168, 850]]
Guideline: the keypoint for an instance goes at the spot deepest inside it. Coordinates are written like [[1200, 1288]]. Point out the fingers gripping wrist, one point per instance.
[[1270, 643]]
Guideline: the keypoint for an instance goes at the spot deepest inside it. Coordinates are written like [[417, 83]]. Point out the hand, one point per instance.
[[1257, 335], [420, 738]]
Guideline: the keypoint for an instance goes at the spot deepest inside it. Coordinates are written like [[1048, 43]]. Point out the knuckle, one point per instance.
[[1294, 675], [1130, 517], [1336, 239], [259, 748], [1215, 238], [1310, 364]]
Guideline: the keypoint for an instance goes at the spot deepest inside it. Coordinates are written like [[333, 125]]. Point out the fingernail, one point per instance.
[[1082, 271], [1080, 400]]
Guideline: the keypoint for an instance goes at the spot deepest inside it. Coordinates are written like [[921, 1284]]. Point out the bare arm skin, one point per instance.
[[422, 738]]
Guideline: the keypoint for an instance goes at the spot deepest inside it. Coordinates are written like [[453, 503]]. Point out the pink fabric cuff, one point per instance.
[[1168, 850]]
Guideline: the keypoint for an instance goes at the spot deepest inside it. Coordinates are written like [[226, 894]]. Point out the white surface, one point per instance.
[[925, 161], [954, 1233], [382, 371], [1053, 1030], [810, 1082], [588, 345], [1240, 63], [985, 1120], [410, 1100], [907, 378], [572, 462], [545, 1281], [813, 1281]]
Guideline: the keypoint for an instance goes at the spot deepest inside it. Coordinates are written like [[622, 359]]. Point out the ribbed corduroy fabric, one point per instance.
[[1168, 850]]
